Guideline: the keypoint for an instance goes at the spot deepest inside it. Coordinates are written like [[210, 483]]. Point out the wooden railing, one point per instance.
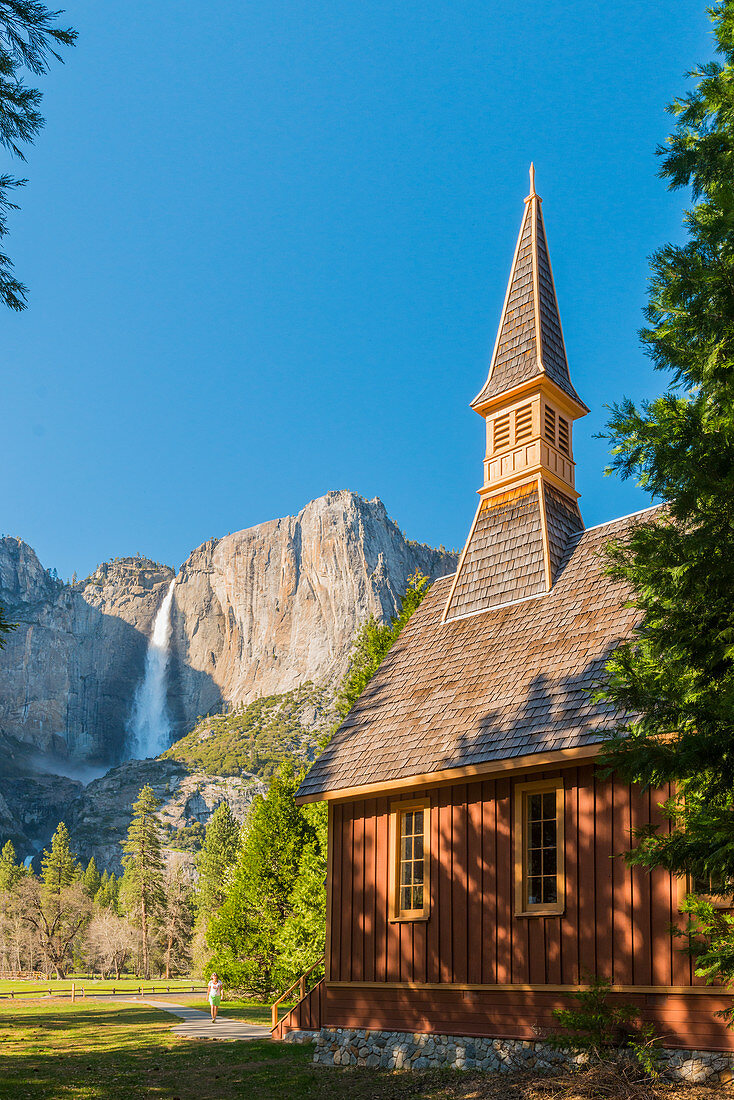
[[300, 985], [76, 991]]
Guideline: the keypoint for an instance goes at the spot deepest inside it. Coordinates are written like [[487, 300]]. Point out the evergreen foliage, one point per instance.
[[216, 859], [29, 41], [256, 737], [244, 934], [109, 891], [59, 866], [676, 676], [373, 642], [10, 871], [141, 889], [91, 879]]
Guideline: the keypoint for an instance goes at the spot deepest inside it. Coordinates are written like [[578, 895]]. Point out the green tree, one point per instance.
[[91, 879], [216, 859], [244, 934], [29, 41], [303, 937], [10, 870], [142, 883], [374, 641], [59, 866], [676, 675], [108, 893]]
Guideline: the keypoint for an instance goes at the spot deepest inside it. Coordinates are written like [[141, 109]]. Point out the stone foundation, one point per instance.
[[405, 1050]]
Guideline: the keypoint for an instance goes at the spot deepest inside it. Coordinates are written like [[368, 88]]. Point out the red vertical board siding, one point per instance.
[[505, 882], [662, 913], [622, 887], [640, 901], [474, 883], [335, 927], [347, 915], [489, 882], [586, 915], [459, 881], [615, 923], [570, 924], [444, 882], [381, 889], [358, 914], [601, 912], [370, 893], [433, 973]]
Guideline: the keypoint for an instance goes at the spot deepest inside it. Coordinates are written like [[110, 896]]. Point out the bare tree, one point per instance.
[[57, 918], [110, 942]]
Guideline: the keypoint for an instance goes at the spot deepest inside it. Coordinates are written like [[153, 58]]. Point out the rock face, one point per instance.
[[255, 613], [263, 610], [99, 818], [69, 669]]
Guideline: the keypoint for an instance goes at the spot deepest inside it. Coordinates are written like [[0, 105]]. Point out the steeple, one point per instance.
[[527, 507]]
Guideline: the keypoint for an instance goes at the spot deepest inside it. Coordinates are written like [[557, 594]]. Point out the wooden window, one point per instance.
[[501, 432], [539, 854], [410, 836], [550, 425], [714, 890], [563, 434], [523, 423]]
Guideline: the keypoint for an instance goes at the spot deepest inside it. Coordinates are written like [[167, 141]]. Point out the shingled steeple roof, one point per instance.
[[530, 338]]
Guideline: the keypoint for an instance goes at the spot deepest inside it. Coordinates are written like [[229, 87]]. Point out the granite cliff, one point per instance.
[[255, 613]]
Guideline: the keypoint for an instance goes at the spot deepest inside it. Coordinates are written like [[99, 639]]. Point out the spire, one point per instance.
[[530, 338], [527, 510]]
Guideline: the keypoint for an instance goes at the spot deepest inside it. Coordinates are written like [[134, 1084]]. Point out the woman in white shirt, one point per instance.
[[214, 990]]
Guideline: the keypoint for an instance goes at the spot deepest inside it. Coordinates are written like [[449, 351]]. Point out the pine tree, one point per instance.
[[216, 859], [59, 866], [108, 893], [29, 41], [10, 871], [143, 863], [373, 642], [244, 933], [91, 879], [677, 674]]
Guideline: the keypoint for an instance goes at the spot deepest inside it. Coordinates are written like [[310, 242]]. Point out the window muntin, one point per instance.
[[719, 893], [410, 864], [410, 877], [539, 854]]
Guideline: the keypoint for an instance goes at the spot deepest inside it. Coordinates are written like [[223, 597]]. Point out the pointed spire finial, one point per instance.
[[532, 178]]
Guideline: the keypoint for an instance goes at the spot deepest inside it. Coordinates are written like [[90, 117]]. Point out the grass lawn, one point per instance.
[[60, 1051], [254, 1012]]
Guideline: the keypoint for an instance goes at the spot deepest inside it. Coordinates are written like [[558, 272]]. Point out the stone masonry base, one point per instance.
[[405, 1050]]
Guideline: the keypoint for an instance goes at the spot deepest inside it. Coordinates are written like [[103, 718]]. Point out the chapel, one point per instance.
[[475, 869]]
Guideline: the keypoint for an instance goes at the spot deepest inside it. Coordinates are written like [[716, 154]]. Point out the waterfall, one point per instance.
[[149, 727]]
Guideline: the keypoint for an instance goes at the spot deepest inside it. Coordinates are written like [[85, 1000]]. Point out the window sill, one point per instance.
[[403, 918], [542, 911]]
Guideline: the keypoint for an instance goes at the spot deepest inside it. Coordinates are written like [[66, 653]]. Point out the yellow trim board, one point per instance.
[[559, 758]]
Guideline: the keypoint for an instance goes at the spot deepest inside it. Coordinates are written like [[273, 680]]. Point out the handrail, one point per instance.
[[300, 983]]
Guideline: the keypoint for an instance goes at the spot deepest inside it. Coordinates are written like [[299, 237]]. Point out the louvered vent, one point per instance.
[[501, 432], [563, 434], [550, 425], [523, 423]]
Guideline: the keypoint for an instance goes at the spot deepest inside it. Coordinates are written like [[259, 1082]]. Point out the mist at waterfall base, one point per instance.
[[149, 726]]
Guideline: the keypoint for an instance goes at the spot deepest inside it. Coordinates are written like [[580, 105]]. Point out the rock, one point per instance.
[[255, 613]]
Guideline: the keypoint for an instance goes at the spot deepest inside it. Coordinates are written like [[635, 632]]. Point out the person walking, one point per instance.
[[214, 990]]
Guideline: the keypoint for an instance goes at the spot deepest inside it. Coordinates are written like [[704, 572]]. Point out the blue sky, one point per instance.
[[267, 247]]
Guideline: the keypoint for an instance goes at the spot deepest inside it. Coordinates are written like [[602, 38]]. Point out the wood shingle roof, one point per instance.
[[502, 683]]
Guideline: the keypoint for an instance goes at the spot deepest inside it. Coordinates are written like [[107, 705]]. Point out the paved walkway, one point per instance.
[[198, 1025]]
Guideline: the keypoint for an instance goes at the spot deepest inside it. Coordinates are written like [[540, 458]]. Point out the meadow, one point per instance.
[[56, 1050]]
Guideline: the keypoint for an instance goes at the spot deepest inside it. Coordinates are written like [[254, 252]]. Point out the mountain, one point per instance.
[[256, 613]]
